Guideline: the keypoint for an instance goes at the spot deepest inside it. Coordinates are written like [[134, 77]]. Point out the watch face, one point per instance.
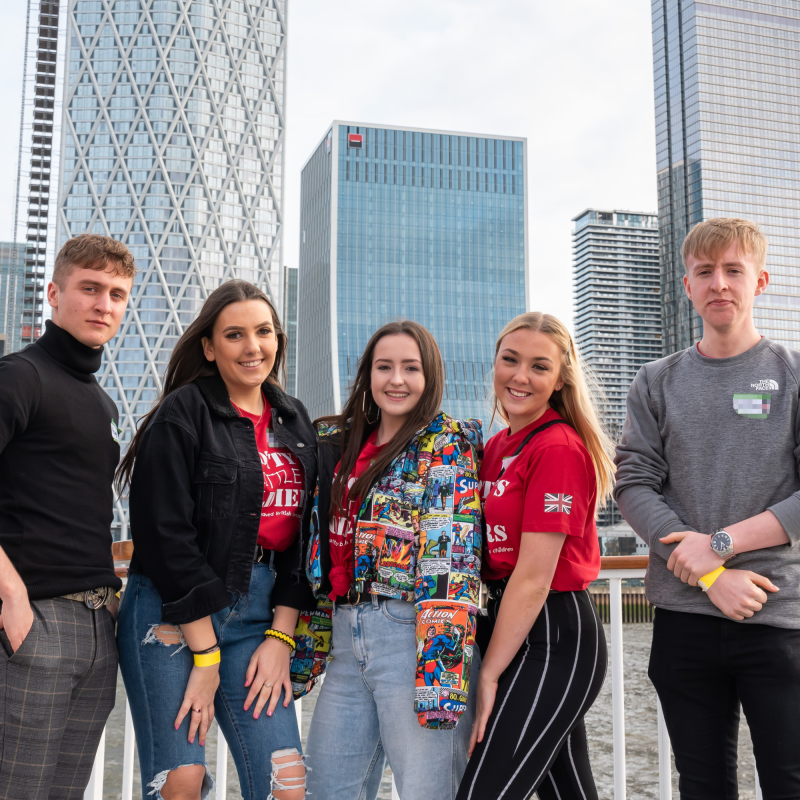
[[721, 541]]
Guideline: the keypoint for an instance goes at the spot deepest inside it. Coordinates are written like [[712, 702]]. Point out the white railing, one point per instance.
[[615, 576]]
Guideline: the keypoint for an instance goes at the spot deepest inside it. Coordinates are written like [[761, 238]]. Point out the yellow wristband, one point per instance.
[[281, 637], [707, 581], [207, 659]]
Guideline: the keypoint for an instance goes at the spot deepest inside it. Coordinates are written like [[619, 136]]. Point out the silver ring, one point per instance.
[[267, 685]]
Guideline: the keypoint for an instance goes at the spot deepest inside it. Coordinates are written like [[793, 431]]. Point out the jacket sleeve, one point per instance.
[[19, 397], [447, 583], [642, 471], [164, 536]]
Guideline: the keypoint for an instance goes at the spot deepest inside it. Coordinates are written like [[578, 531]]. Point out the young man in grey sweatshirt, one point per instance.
[[708, 475]]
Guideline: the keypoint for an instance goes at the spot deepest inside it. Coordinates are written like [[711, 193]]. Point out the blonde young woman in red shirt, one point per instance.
[[540, 482]]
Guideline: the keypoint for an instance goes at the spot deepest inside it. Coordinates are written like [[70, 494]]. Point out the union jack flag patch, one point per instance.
[[557, 503]]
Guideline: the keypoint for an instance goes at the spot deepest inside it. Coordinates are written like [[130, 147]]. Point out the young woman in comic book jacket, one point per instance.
[[546, 660], [395, 544], [221, 472]]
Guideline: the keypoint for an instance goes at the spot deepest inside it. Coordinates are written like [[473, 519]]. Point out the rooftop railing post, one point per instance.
[[128, 752], [94, 790], [221, 778], [664, 758], [617, 687]]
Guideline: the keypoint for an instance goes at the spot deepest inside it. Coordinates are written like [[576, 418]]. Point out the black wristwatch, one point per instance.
[[722, 544]]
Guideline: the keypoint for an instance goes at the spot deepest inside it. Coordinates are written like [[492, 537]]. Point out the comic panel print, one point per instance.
[[312, 646], [445, 638], [441, 489], [466, 500], [396, 558]]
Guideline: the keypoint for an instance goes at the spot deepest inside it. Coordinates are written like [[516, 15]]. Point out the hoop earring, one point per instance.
[[364, 410]]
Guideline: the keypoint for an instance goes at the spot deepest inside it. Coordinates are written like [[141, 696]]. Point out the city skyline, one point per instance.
[[422, 73], [383, 208]]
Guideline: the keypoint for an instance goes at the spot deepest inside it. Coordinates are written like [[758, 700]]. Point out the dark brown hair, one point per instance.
[[361, 407], [188, 360], [92, 251]]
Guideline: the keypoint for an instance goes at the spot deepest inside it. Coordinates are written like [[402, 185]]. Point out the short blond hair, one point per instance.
[[715, 236], [93, 251], [575, 401]]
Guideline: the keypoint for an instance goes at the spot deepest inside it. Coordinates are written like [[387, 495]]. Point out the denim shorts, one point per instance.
[[156, 675]]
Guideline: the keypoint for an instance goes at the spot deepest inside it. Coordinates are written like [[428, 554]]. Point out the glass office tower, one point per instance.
[[726, 130], [172, 142], [616, 292], [289, 320], [409, 223], [13, 278]]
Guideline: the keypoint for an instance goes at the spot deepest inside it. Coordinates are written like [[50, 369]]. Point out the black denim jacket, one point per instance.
[[195, 500]]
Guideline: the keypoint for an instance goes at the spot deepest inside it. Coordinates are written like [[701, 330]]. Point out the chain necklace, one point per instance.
[[264, 408]]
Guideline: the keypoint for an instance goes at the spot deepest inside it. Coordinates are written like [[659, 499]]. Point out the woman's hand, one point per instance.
[[267, 674], [487, 691], [199, 701]]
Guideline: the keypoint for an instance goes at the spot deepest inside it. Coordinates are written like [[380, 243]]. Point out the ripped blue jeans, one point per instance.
[[155, 678]]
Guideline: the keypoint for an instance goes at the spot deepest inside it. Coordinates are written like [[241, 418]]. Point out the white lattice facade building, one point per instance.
[[173, 139]]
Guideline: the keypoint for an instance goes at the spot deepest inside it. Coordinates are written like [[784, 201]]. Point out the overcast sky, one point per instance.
[[575, 78]]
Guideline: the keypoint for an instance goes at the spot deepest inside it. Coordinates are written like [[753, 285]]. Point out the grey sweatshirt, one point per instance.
[[709, 442]]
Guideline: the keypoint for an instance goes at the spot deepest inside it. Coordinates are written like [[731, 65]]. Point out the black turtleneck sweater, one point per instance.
[[58, 452]]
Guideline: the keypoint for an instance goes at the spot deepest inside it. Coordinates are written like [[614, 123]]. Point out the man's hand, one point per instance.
[[738, 593], [693, 557], [16, 619]]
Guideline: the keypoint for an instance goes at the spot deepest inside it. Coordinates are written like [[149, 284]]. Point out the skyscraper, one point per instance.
[[12, 289], [726, 107], [173, 140], [33, 174], [421, 224], [290, 326], [617, 306]]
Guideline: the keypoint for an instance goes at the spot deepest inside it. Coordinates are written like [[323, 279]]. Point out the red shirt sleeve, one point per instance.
[[557, 492]]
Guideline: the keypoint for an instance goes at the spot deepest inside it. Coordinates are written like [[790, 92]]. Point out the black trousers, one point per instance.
[[535, 739], [703, 668]]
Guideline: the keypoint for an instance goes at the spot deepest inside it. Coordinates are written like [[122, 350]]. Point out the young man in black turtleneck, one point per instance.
[[59, 447]]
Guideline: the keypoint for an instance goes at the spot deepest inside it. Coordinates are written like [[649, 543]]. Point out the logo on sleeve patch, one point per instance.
[[557, 503], [752, 406], [115, 431]]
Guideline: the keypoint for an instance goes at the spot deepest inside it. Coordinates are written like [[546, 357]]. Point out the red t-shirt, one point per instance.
[[341, 528], [550, 487], [284, 485]]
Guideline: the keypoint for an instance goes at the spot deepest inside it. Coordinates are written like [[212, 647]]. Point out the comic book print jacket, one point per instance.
[[418, 538]]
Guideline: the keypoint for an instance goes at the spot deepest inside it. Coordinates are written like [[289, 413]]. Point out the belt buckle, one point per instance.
[[353, 594], [95, 598]]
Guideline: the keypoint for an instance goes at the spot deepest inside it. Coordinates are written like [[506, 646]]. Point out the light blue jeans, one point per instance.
[[365, 713], [155, 678]]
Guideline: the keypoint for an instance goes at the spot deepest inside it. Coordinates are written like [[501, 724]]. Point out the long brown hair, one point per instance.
[[576, 401], [188, 360], [360, 408]]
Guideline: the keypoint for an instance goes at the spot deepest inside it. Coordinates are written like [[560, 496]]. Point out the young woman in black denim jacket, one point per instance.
[[212, 570]]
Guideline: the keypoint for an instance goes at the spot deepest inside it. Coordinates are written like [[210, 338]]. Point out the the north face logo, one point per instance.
[[765, 386]]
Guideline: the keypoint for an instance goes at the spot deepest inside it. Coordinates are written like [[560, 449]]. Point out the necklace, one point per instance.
[[263, 409]]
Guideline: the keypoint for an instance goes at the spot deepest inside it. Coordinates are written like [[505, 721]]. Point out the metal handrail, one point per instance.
[[613, 568]]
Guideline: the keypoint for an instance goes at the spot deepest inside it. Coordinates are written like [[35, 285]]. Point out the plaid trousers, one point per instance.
[[56, 692]]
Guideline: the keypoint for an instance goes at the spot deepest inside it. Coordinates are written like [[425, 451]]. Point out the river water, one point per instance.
[[640, 727]]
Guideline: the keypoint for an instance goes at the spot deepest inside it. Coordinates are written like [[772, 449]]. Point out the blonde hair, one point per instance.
[[715, 236], [575, 401]]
